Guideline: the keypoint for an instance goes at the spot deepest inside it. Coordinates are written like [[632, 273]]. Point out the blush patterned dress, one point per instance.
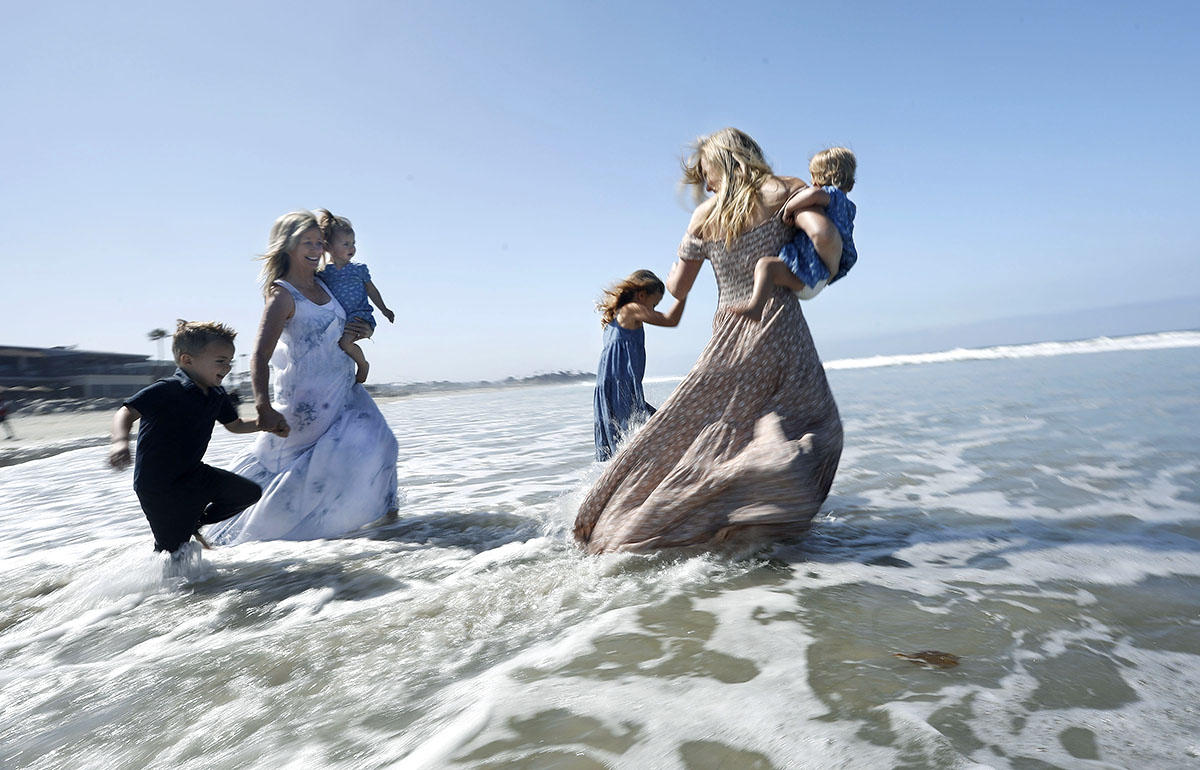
[[746, 448], [336, 470]]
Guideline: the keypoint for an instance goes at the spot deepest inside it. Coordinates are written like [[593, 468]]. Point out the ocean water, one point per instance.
[[1034, 511]]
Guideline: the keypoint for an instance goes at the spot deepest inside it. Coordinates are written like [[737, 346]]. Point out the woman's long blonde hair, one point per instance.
[[742, 166], [285, 234], [623, 292]]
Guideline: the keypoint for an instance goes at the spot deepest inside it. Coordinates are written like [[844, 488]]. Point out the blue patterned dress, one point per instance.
[[619, 403], [336, 470], [801, 256], [348, 285]]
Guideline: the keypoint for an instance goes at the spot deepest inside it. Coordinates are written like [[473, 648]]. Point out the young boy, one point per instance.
[[823, 251], [177, 491]]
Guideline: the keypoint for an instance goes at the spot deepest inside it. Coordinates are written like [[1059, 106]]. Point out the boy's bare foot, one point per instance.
[[200, 539], [361, 374], [749, 311]]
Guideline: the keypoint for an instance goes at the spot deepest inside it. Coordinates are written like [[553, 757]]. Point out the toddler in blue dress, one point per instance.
[[619, 403], [349, 283], [823, 250]]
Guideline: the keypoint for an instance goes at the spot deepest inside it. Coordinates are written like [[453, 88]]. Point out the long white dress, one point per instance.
[[336, 470]]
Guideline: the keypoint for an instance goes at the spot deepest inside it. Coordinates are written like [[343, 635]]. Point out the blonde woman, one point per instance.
[[746, 448], [328, 467]]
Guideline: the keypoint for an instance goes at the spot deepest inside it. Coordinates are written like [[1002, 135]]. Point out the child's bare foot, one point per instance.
[[200, 539], [360, 375], [753, 312]]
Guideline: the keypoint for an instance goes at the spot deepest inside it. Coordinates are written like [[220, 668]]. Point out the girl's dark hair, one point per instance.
[[623, 292]]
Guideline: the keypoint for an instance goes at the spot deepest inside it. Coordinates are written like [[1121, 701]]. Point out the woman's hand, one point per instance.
[[272, 421], [362, 330]]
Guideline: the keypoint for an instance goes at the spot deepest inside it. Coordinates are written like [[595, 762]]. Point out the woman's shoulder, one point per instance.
[[700, 216], [777, 189]]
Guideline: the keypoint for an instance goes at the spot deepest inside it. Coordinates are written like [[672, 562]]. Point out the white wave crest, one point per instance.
[[1161, 340]]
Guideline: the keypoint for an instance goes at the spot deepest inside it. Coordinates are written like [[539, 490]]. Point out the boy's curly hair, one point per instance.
[[191, 337]]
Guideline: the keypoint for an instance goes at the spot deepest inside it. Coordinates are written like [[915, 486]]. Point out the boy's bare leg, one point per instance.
[[348, 345], [200, 539], [769, 272], [824, 236]]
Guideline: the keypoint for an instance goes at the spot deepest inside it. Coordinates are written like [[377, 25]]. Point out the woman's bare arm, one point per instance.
[[278, 310]]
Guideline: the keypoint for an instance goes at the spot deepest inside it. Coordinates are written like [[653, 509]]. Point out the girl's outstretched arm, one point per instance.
[[639, 312], [377, 299]]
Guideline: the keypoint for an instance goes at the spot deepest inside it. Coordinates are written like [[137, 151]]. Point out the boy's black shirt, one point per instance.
[[176, 425]]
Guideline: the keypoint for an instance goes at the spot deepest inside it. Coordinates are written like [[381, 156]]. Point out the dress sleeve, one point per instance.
[[691, 248], [364, 272]]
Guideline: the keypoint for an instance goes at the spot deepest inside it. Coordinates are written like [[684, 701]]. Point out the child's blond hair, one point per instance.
[[835, 166], [192, 337], [624, 292]]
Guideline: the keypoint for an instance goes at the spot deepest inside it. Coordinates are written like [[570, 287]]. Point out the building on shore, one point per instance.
[[64, 372]]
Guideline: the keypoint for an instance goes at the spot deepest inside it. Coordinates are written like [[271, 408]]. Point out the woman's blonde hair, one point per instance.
[[624, 292], [285, 234], [835, 166], [741, 164]]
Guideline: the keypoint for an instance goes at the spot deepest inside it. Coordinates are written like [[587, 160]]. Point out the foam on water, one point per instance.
[[1039, 517]]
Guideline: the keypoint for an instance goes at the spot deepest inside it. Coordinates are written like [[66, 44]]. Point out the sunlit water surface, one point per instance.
[[1038, 517]]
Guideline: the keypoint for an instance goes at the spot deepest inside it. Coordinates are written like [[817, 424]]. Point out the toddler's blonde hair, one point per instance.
[[835, 166]]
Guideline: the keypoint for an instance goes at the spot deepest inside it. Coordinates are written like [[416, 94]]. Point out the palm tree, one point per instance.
[[158, 335]]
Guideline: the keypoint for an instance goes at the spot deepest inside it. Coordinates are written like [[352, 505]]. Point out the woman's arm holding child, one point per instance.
[[375, 297], [118, 449]]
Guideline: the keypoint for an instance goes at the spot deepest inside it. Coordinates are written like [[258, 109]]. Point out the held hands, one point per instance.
[[272, 421]]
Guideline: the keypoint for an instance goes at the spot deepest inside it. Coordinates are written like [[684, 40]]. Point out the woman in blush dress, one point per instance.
[[746, 448], [328, 465]]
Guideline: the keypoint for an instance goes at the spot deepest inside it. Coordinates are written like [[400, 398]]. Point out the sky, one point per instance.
[[502, 162]]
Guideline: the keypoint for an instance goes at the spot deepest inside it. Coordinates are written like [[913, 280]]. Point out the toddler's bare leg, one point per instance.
[[351, 348], [824, 236], [769, 272]]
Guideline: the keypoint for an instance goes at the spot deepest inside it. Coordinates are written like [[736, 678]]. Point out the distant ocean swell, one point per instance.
[[1158, 341]]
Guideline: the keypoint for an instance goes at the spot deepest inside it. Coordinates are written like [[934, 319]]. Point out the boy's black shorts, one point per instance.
[[205, 496]]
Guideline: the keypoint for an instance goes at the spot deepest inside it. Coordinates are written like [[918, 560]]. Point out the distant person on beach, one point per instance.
[[328, 467], [350, 285], [619, 403], [744, 451], [179, 493], [4, 419], [823, 249]]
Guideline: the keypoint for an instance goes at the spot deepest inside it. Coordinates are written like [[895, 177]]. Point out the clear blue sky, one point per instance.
[[503, 161]]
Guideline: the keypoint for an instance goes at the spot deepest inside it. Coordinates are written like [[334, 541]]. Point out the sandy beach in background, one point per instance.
[[60, 426]]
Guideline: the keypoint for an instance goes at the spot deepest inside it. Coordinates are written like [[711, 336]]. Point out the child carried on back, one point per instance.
[[823, 250]]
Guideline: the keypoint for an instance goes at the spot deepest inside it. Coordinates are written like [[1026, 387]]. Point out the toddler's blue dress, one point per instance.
[[349, 287], [801, 256], [619, 403]]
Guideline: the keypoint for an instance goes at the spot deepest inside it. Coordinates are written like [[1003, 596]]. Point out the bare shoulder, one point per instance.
[[700, 216], [630, 315], [280, 300], [778, 189]]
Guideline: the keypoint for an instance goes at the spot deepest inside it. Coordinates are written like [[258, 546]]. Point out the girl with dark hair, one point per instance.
[[619, 402]]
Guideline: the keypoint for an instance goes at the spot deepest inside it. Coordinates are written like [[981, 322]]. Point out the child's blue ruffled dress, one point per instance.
[[619, 401], [801, 256]]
